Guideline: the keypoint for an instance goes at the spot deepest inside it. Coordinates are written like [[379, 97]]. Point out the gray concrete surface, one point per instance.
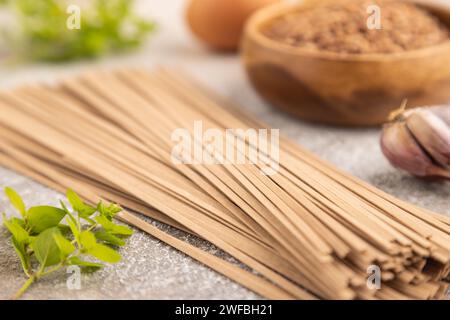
[[150, 269]]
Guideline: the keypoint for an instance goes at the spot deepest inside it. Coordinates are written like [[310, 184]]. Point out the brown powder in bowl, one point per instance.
[[343, 28]]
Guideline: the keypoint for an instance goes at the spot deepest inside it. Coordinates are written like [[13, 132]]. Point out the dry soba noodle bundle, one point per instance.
[[307, 230]]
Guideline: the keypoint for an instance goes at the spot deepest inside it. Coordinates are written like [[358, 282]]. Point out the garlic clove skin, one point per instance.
[[429, 127], [402, 150], [442, 112]]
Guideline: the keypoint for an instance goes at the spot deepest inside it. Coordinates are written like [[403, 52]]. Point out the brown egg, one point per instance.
[[219, 23]]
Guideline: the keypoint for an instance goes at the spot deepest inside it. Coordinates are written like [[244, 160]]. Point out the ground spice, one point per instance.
[[342, 27]]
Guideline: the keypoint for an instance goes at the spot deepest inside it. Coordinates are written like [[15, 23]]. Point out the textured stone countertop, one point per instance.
[[150, 269]]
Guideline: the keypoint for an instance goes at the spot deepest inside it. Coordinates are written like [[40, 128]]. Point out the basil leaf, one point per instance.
[[108, 225], [74, 228], [104, 253], [108, 211], [87, 240], [45, 248], [16, 200], [73, 225], [113, 228], [64, 245], [19, 222], [122, 230], [18, 233], [79, 206], [43, 217], [22, 253], [86, 265], [74, 200], [99, 251], [89, 220], [109, 238]]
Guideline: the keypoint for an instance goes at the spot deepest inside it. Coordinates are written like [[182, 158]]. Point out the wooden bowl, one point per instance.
[[343, 89]]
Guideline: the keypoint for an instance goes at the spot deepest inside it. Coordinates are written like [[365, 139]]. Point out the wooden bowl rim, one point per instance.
[[252, 31]]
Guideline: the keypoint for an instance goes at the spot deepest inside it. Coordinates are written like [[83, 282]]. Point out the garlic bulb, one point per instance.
[[418, 141]]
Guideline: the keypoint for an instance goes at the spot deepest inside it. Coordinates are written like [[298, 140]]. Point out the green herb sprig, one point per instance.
[[44, 244], [106, 26]]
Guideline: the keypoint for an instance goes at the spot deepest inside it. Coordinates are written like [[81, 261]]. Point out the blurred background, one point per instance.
[[166, 39]]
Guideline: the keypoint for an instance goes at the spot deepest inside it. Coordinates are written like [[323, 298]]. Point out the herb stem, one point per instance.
[[27, 272], [92, 227], [42, 274], [24, 288]]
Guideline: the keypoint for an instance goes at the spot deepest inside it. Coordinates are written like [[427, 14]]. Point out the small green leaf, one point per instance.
[[101, 208], [108, 211], [19, 222], [79, 206], [108, 225], [45, 248], [19, 233], [41, 218], [109, 238], [114, 209], [86, 265], [104, 253], [113, 228], [16, 200], [74, 228], [74, 199], [22, 253], [73, 225], [89, 220], [99, 251], [64, 245], [122, 230], [87, 240]]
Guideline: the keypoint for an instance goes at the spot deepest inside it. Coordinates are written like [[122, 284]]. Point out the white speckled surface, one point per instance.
[[150, 269]]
